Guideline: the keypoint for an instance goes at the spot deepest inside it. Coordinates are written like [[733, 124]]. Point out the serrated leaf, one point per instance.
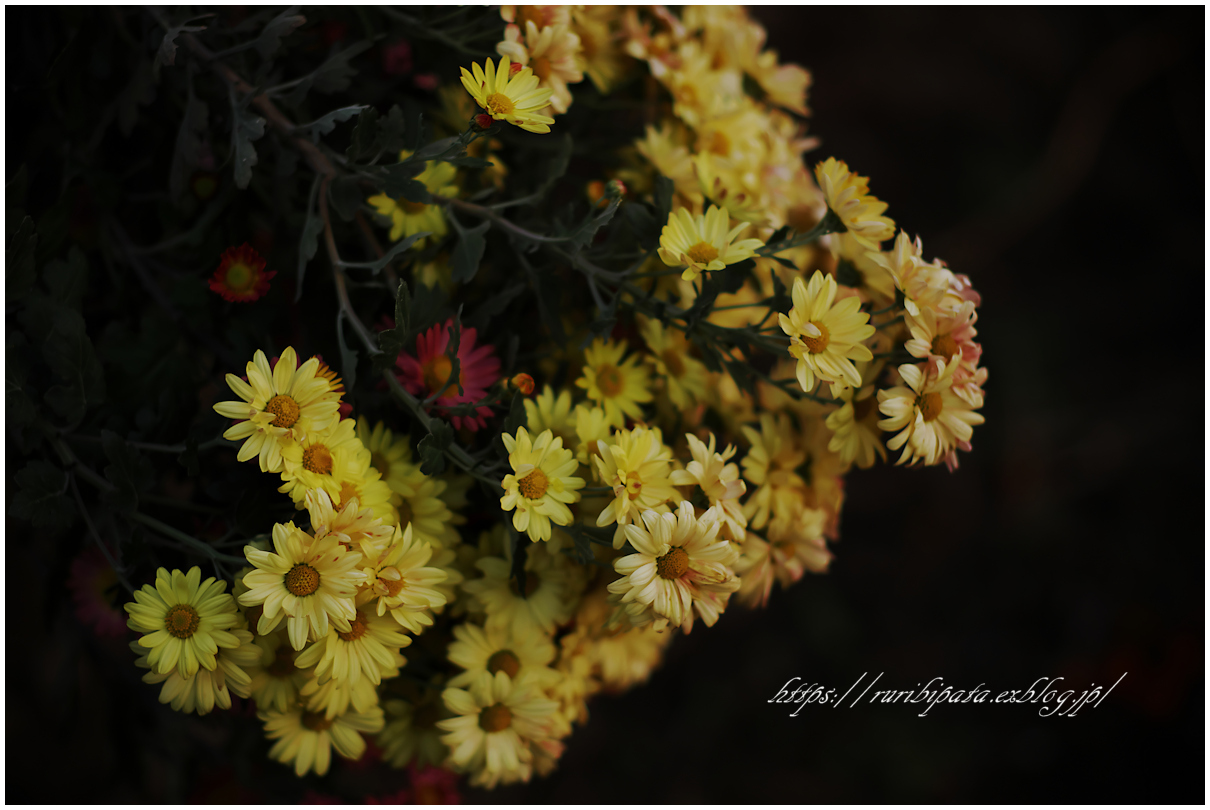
[[516, 415], [583, 235], [67, 280], [451, 354], [664, 189], [335, 73], [468, 251], [166, 55], [308, 242], [365, 135], [391, 131], [432, 447], [396, 249], [41, 497], [436, 149], [19, 261], [494, 305], [398, 180], [128, 470], [245, 129], [280, 26], [326, 123], [69, 353], [392, 341], [469, 162], [348, 357]]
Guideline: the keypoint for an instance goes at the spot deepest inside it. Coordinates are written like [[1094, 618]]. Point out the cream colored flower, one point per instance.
[[826, 335], [933, 421], [636, 465], [553, 53]]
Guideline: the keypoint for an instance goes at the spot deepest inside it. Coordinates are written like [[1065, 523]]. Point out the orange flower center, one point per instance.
[[945, 346], [504, 661], [318, 459], [436, 371], [357, 628], [609, 380], [815, 345], [240, 277], [392, 586], [500, 105], [541, 68], [702, 253], [929, 405], [347, 491], [284, 409], [302, 580], [495, 718], [534, 485], [673, 564], [315, 721], [182, 621], [413, 208]]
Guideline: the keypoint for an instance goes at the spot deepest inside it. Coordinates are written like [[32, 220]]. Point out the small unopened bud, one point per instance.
[[514, 68], [523, 383], [615, 189], [483, 121]]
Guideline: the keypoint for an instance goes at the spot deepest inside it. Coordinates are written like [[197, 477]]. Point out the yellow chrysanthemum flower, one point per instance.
[[482, 652], [516, 99], [308, 581], [355, 528], [825, 336], [719, 481], [541, 484], [684, 375], [924, 285], [848, 196], [306, 738], [592, 425], [616, 385], [409, 217], [856, 437], [326, 461], [390, 454], [774, 456], [366, 649], [548, 412], [276, 681], [494, 724], [553, 53], [679, 559], [934, 420], [281, 406], [334, 697], [411, 735], [551, 589], [184, 621], [401, 581], [206, 689], [703, 243], [636, 465]]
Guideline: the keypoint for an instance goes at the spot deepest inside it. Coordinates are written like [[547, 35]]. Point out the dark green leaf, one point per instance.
[[390, 138], [19, 406], [432, 447], [128, 471], [398, 181], [516, 415], [326, 123], [335, 73], [281, 25], [468, 252], [393, 340], [365, 135], [469, 162], [69, 353], [451, 354], [348, 357], [581, 551], [246, 128], [190, 139], [494, 305], [41, 497], [166, 55], [436, 149], [848, 275], [346, 196], [308, 242], [584, 233], [396, 249], [664, 189], [19, 261]]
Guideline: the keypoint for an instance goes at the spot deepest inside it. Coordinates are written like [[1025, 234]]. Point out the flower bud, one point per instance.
[[523, 383]]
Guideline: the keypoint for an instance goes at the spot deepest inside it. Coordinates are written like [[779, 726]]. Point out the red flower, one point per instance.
[[241, 275], [479, 369]]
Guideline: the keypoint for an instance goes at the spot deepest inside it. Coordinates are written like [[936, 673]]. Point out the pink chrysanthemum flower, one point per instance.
[[91, 583], [428, 372]]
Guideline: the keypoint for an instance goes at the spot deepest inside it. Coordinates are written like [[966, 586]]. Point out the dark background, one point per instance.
[[1055, 156]]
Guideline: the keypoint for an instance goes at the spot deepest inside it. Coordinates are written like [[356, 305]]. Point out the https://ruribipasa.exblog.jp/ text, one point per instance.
[[1053, 697]]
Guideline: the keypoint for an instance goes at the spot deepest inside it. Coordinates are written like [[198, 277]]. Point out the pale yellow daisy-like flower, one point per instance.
[[482, 652], [357, 529], [771, 466], [306, 738], [577, 681], [702, 243], [636, 464], [553, 53], [604, 62], [554, 413], [720, 482], [401, 581], [619, 386], [666, 147], [281, 405], [924, 286], [390, 454], [541, 16], [324, 461], [684, 376], [411, 735], [547, 602], [366, 487], [933, 420], [495, 722], [407, 217], [365, 650], [592, 425], [848, 196], [678, 558], [184, 621], [826, 335], [207, 689], [334, 697], [276, 681], [422, 506], [308, 581], [856, 437], [516, 99], [541, 484], [627, 658]]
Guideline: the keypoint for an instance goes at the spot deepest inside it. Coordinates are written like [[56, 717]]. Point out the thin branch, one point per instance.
[[96, 536]]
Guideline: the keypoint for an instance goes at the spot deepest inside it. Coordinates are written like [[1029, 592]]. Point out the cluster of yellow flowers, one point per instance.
[[627, 520]]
